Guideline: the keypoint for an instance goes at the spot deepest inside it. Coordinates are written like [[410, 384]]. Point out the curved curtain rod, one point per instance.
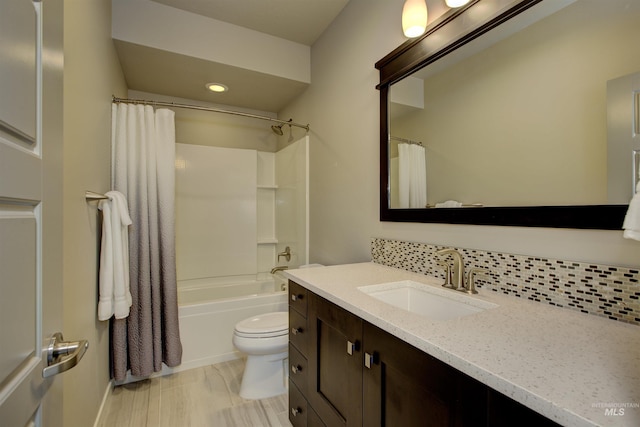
[[197, 107], [408, 141]]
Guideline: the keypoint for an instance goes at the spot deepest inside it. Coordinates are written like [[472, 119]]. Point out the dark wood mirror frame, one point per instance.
[[418, 53]]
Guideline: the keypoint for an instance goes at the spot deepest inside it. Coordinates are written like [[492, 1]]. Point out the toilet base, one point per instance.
[[265, 376]]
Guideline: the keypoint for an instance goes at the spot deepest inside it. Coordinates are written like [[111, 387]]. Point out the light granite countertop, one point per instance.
[[576, 369]]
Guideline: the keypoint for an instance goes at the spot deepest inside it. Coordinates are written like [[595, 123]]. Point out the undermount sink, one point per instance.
[[425, 300]]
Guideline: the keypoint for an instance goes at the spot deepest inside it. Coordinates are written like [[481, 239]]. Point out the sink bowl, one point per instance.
[[425, 300]]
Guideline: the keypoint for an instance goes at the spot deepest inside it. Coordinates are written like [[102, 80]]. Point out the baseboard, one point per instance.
[[105, 397]]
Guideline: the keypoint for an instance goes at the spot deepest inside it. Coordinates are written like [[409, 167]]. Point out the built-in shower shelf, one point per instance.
[[267, 241]]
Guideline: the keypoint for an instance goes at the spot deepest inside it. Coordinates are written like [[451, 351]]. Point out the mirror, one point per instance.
[[509, 101]]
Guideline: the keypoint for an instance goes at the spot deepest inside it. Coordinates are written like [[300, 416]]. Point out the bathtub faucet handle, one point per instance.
[[286, 254]]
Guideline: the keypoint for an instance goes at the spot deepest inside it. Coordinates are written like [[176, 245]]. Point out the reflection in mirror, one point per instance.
[[408, 174], [523, 122]]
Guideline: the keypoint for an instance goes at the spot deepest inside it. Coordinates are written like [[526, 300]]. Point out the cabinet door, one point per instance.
[[403, 386], [335, 368]]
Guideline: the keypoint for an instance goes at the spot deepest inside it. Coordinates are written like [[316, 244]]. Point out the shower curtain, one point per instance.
[[412, 180], [143, 169]]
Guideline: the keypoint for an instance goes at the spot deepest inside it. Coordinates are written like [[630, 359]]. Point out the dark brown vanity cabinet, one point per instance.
[[404, 386], [347, 372]]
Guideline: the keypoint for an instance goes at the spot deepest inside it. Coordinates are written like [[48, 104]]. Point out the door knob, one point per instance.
[[63, 355]]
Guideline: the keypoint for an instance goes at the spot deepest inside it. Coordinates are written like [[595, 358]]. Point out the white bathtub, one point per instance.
[[210, 309]]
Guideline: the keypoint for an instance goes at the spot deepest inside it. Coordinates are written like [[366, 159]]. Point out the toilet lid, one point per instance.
[[263, 324]]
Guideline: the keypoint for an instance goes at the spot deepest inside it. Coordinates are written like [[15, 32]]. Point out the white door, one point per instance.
[[31, 213]]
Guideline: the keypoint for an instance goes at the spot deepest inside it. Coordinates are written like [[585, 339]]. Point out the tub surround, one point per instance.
[[571, 367]]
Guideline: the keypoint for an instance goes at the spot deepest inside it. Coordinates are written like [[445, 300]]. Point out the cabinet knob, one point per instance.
[[296, 331], [296, 369], [295, 297], [295, 411]]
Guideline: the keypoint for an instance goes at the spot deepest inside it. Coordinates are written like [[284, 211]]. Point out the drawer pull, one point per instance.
[[368, 360], [296, 369], [296, 331], [296, 411], [351, 347], [295, 297]]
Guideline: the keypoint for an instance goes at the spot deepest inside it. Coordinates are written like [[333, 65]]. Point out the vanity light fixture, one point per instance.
[[414, 18], [217, 87], [456, 3]]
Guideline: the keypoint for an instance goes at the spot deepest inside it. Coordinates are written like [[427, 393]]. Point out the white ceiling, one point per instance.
[[156, 70]]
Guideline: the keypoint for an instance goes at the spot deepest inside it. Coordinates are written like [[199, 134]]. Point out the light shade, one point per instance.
[[456, 3], [414, 18]]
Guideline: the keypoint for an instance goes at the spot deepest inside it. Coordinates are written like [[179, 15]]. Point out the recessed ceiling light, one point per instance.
[[217, 87]]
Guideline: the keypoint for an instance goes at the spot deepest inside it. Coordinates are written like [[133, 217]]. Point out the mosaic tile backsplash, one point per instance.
[[603, 290]]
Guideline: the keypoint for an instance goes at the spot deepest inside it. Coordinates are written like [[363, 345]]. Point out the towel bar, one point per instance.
[[91, 196]]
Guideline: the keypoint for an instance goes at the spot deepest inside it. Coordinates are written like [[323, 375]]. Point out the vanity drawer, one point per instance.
[[297, 407], [298, 369], [298, 334], [298, 298]]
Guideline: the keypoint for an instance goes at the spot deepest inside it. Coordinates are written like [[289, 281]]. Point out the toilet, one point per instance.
[[265, 340]]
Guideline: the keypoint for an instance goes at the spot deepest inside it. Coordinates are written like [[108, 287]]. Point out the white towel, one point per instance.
[[449, 204], [115, 297], [631, 223]]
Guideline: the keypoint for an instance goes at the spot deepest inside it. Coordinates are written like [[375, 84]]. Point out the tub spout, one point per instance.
[[274, 270]]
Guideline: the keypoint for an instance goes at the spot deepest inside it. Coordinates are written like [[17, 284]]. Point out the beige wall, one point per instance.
[[342, 107], [91, 75]]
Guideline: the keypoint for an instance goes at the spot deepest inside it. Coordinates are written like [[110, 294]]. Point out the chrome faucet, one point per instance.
[[457, 270], [274, 270]]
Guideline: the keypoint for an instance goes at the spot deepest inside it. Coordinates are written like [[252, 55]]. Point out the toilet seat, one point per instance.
[[264, 325]]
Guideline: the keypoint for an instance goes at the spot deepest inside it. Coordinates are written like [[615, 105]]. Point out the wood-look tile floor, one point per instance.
[[201, 397]]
